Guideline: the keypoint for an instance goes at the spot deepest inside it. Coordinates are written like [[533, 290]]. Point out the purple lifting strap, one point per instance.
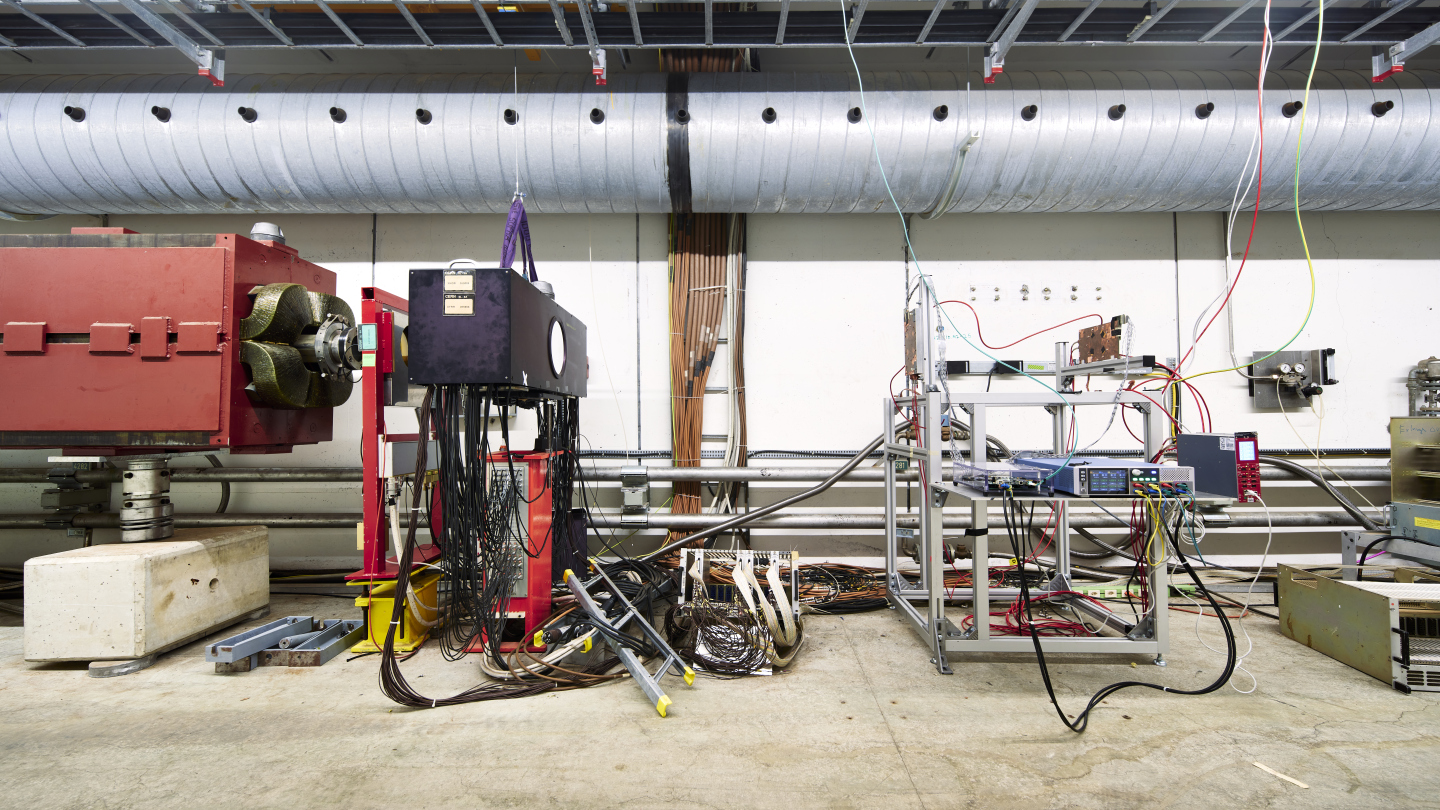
[[517, 225]]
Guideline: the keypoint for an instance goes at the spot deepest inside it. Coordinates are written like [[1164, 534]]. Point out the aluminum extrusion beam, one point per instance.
[[1151, 20], [1225, 23], [490, 26], [117, 22], [1289, 29], [1392, 59], [265, 21], [1379, 18], [784, 17], [15, 4], [339, 23], [205, 59], [414, 24], [1071, 157], [1079, 20], [199, 29], [855, 20], [560, 23], [929, 23]]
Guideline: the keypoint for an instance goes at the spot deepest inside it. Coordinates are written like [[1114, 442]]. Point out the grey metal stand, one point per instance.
[[1147, 636]]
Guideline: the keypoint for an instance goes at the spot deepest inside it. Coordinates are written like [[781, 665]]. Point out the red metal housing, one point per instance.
[[117, 342]]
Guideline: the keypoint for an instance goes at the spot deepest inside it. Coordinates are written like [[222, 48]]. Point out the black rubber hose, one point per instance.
[[224, 486], [1319, 481], [1360, 561], [1106, 551]]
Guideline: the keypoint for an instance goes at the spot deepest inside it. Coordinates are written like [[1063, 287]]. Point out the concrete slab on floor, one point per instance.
[[860, 721]]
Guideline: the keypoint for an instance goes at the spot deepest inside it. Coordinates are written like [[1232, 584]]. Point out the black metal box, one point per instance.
[[491, 326]]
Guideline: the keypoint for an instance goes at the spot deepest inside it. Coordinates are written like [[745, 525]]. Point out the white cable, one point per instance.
[[1245, 611], [1317, 404], [1248, 175]]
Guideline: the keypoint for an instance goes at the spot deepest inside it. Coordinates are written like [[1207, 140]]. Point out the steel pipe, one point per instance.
[[460, 156], [199, 475], [1376, 472], [1240, 519]]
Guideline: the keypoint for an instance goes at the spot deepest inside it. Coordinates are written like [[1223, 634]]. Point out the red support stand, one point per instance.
[[378, 311]]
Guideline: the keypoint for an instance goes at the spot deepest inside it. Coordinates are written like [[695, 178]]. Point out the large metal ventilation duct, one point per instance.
[[720, 142]]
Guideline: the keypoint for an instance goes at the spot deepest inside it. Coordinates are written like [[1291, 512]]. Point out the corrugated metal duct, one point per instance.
[[714, 142]]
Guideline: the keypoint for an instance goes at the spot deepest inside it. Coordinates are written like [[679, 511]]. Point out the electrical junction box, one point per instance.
[[129, 600], [1098, 476], [491, 326], [1225, 464]]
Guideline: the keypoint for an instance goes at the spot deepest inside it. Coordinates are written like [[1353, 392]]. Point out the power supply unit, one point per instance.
[[1225, 464], [1099, 476]]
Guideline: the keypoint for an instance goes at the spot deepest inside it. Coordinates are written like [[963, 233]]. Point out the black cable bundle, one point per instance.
[[392, 681], [1079, 724], [481, 527]]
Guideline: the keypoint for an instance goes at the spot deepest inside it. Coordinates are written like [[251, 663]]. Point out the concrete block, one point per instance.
[[135, 599]]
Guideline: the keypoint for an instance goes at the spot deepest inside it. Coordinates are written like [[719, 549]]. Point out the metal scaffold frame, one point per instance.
[[1147, 636]]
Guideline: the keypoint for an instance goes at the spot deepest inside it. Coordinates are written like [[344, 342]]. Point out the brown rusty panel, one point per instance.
[[1346, 623]]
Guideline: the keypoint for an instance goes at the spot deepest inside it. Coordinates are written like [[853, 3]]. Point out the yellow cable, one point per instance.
[[1299, 142]]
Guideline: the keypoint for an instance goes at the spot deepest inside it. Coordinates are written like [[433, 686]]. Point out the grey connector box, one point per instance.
[[491, 326]]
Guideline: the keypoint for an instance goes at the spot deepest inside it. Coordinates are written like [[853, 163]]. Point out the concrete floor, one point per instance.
[[861, 720]]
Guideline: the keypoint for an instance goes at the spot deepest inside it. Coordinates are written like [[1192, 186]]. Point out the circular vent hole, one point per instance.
[[941, 113], [337, 115], [511, 117], [248, 114], [77, 114], [423, 116], [1029, 113], [597, 116], [1203, 111], [854, 115], [768, 115], [162, 114], [1117, 112]]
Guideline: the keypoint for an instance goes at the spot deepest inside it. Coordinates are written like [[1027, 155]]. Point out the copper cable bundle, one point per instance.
[[699, 248]]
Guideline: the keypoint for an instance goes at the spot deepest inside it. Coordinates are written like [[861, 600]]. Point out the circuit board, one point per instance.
[[1102, 342]]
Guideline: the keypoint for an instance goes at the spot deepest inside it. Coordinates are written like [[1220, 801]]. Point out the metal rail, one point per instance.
[[204, 475], [1239, 519]]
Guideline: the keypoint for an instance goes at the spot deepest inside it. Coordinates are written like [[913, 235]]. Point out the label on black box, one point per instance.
[[459, 304], [460, 292]]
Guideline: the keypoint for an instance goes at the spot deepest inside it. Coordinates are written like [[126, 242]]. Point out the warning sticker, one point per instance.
[[1427, 523], [1227, 443]]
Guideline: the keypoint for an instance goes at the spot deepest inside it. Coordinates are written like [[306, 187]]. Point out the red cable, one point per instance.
[[1259, 184], [981, 335]]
